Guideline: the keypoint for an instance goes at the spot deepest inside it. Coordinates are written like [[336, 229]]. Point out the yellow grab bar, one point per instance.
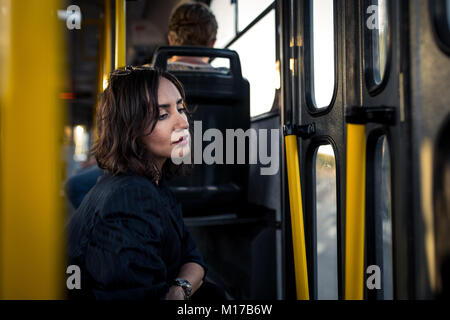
[[120, 60], [355, 211], [104, 61], [31, 206], [106, 46], [298, 232]]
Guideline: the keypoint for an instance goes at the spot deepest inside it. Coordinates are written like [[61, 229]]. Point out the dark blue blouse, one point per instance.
[[129, 240]]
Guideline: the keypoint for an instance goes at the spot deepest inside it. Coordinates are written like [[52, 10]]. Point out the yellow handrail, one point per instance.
[[120, 60], [31, 114], [106, 44], [355, 211], [298, 232], [104, 60]]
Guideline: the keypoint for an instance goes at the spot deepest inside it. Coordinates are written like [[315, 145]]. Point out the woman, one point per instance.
[[128, 236]]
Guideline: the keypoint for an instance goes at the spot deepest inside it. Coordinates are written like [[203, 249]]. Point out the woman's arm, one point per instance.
[[192, 272], [123, 256]]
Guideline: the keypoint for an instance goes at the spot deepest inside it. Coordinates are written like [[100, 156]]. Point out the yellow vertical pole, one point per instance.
[[31, 114], [106, 44], [104, 59], [100, 66], [296, 208], [355, 211], [120, 60]]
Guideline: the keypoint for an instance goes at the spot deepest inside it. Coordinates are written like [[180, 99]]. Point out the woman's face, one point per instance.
[[170, 137]]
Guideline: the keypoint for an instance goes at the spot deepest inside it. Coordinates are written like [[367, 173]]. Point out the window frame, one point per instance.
[[441, 28], [310, 213], [308, 61], [274, 5], [371, 244], [367, 49]]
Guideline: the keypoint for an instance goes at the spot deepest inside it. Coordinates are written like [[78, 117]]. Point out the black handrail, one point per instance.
[[163, 53]]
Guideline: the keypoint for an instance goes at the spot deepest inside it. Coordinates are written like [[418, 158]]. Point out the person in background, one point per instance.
[[191, 24]]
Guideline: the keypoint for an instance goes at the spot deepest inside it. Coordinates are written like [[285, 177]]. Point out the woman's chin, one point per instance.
[[180, 152]]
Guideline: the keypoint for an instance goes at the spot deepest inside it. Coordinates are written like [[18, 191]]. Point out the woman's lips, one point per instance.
[[183, 140]]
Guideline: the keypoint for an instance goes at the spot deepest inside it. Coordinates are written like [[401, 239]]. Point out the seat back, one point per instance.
[[221, 101]]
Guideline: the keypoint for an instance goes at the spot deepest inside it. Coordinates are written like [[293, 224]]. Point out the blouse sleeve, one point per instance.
[[190, 251], [123, 257]]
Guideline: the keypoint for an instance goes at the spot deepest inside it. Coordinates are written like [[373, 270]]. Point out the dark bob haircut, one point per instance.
[[127, 112]]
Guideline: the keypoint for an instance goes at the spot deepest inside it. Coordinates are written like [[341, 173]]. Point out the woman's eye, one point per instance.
[[163, 116], [181, 110]]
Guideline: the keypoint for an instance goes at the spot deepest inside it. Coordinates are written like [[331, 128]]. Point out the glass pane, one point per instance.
[[326, 227], [183, 63], [448, 13], [259, 67], [383, 210], [81, 141], [323, 52], [225, 16], [377, 24], [248, 10]]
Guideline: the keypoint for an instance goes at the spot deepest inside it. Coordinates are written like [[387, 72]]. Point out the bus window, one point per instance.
[[440, 10], [326, 227], [322, 54], [383, 210], [256, 49], [249, 10], [81, 142], [376, 28], [447, 4], [224, 10], [222, 63]]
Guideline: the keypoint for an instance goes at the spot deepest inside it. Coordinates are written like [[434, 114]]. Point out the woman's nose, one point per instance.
[[182, 122]]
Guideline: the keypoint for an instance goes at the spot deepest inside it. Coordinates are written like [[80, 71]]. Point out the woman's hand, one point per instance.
[[192, 272], [175, 293]]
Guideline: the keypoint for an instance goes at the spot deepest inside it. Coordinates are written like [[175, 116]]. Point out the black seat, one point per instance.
[[221, 101]]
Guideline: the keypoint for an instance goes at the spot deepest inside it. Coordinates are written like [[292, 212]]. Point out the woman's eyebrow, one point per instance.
[[168, 105]]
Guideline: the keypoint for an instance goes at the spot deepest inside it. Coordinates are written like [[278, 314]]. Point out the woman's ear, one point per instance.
[[170, 38]]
